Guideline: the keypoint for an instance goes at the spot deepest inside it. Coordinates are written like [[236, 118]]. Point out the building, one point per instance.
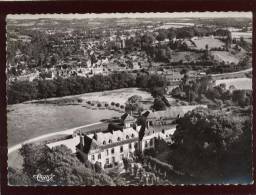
[[108, 148], [120, 42], [122, 139]]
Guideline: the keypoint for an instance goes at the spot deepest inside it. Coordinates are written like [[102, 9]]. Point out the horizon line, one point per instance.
[[135, 15]]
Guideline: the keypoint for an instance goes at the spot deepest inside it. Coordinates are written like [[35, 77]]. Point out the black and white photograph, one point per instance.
[[129, 99]]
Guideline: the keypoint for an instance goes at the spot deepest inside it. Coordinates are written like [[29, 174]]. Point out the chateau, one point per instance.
[[124, 137], [108, 148]]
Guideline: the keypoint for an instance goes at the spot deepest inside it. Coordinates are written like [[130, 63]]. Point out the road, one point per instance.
[[67, 131]]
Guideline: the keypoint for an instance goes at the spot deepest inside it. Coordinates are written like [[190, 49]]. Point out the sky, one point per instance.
[[136, 15]]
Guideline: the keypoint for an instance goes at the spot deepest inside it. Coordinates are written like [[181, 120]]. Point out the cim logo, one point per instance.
[[44, 178]]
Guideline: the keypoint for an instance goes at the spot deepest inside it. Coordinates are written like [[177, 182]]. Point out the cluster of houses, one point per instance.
[[122, 140]]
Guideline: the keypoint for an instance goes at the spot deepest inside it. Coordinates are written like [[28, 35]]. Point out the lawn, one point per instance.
[[211, 42], [118, 96]]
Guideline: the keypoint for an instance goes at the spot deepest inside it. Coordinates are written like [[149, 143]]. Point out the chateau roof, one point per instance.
[[110, 138]]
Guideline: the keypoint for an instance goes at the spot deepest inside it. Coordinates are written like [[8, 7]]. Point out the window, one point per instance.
[[127, 137], [104, 142], [146, 144], [92, 157], [118, 139], [112, 151], [151, 142], [107, 152], [132, 135], [121, 149], [100, 164], [107, 161], [99, 156], [113, 159], [136, 145], [110, 141], [130, 146]]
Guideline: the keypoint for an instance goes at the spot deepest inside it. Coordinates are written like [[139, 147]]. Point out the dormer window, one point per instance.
[[118, 139], [110, 141], [104, 142], [127, 136], [132, 135]]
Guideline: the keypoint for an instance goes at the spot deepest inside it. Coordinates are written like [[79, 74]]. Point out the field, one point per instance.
[[239, 83], [224, 56], [211, 42], [237, 35]]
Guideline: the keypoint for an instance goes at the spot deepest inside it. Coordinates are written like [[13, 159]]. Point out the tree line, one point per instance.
[[20, 91]]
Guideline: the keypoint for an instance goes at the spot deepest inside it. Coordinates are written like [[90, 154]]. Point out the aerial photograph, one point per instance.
[[129, 99]]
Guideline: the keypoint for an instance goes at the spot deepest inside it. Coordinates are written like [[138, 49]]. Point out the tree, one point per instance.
[[142, 80], [204, 138], [159, 104], [46, 89], [32, 163], [157, 92], [133, 104], [239, 96], [161, 36], [17, 177], [171, 34], [21, 91], [156, 81], [63, 164]]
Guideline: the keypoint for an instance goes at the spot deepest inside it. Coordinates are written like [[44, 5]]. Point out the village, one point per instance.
[[148, 46]]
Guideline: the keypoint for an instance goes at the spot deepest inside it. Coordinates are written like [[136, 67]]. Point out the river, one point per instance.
[[26, 121]]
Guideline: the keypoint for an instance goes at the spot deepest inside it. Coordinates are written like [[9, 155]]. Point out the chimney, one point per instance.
[[95, 136], [81, 141]]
